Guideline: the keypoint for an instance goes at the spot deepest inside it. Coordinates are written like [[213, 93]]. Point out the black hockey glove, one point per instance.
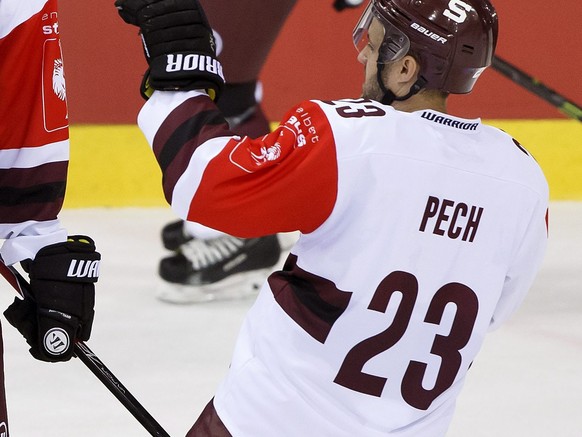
[[59, 309], [178, 44], [340, 5]]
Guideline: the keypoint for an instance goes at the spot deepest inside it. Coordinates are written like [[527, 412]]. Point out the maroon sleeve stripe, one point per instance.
[[200, 127], [183, 131], [41, 193], [32, 193], [313, 302], [51, 172], [31, 211]]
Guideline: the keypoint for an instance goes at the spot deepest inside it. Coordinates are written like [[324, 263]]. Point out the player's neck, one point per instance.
[[419, 102]]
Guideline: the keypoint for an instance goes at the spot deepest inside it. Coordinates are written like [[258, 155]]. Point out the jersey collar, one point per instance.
[[450, 121]]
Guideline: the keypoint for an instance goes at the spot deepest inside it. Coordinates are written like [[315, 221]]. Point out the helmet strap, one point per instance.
[[389, 97]]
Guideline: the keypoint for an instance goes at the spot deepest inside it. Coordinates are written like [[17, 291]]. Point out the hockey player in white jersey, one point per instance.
[[420, 230]]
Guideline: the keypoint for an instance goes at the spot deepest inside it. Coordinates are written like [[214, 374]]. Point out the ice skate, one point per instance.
[[221, 268]]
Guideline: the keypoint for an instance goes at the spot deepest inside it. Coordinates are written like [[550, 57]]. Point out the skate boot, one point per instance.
[[221, 268], [174, 235]]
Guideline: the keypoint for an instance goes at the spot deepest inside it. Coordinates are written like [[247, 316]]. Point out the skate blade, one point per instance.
[[236, 287]]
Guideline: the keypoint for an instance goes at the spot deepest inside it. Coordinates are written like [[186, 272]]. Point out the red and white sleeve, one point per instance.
[[281, 182]]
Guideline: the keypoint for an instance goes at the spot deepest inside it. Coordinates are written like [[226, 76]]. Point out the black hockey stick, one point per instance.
[[530, 83], [95, 365]]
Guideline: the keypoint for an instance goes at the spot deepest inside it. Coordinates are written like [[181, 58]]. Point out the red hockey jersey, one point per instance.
[[34, 135]]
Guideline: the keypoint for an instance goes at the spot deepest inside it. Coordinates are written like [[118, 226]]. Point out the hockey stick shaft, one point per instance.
[[530, 83], [95, 365]]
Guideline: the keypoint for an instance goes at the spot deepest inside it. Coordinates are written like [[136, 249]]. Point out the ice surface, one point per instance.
[[527, 381]]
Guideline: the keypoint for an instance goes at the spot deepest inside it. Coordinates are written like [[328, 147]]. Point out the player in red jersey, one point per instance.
[[420, 231], [34, 153], [208, 264]]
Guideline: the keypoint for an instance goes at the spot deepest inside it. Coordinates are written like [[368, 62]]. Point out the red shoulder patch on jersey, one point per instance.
[[284, 181], [34, 107]]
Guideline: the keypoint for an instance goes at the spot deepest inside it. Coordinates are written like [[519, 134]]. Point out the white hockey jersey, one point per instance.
[[419, 233]]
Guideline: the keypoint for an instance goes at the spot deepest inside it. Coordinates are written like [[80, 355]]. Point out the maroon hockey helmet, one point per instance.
[[454, 39]]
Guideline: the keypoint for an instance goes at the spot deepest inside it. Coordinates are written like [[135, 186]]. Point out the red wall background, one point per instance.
[[314, 58]]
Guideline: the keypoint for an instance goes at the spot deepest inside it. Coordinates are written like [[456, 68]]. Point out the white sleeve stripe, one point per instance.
[[188, 183], [158, 107], [30, 157]]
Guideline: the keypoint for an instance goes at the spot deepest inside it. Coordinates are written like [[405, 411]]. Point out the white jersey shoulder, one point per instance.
[[15, 12], [365, 126]]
